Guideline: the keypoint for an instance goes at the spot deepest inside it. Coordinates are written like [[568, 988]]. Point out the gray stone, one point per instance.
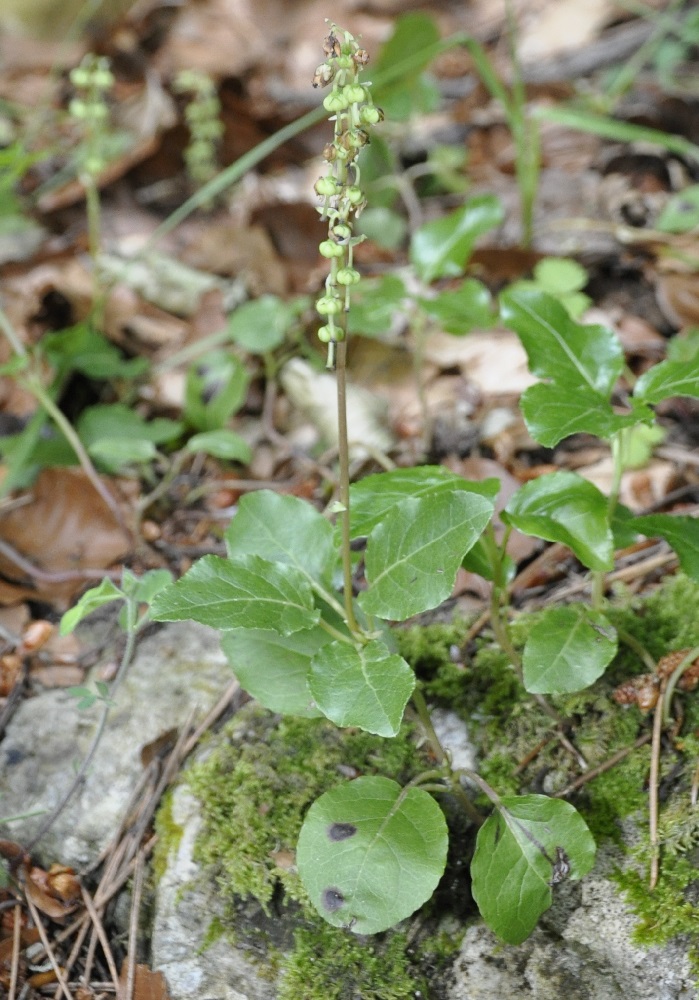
[[176, 669], [185, 906]]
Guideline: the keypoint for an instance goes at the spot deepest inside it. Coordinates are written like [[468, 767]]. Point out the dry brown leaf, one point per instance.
[[66, 527], [494, 360], [148, 985]]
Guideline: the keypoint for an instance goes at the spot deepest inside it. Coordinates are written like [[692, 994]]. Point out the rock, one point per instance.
[[175, 669], [186, 905], [582, 950]]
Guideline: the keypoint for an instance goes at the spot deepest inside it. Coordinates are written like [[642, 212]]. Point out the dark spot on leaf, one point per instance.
[[341, 831], [332, 899]]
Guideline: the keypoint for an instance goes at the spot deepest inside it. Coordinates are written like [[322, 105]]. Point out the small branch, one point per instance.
[[653, 782], [36, 917]]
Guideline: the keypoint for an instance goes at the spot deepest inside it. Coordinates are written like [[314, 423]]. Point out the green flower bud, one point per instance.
[[325, 334], [341, 231], [354, 195], [354, 93], [328, 306], [347, 276], [329, 248], [344, 62], [78, 109], [80, 77], [335, 102], [370, 115], [103, 79], [326, 186]]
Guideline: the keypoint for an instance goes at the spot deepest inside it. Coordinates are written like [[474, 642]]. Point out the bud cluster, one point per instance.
[[92, 79], [353, 112], [203, 117]]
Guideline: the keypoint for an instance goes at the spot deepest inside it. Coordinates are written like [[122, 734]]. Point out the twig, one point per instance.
[[16, 935], [36, 917], [99, 928], [653, 782], [606, 765], [133, 925], [53, 576]]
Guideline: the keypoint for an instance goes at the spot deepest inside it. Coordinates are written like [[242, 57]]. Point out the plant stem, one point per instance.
[[639, 649], [33, 385], [344, 485], [442, 757]]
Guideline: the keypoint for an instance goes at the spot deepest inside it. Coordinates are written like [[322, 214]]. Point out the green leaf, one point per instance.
[[681, 213], [283, 529], [90, 601], [151, 583], [243, 592], [81, 348], [410, 93], [520, 850], [413, 556], [553, 411], [559, 275], [215, 389], [375, 302], [372, 498], [667, 379], [370, 853], [367, 687], [114, 453], [558, 348], [274, 669], [224, 444], [564, 507], [681, 533], [119, 421], [262, 325], [441, 249], [567, 650], [382, 226], [463, 310]]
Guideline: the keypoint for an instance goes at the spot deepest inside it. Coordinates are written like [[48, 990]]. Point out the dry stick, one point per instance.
[[36, 917], [53, 576], [97, 923], [653, 789], [16, 935], [133, 925], [606, 765]]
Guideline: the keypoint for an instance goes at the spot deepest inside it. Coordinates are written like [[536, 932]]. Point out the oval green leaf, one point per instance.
[[260, 326], [680, 532], [413, 556], [567, 650], [564, 507], [553, 412], [367, 687], [224, 444], [283, 529], [372, 498], [463, 310], [274, 669], [528, 845], [441, 249], [558, 348], [669, 378], [244, 592], [370, 853]]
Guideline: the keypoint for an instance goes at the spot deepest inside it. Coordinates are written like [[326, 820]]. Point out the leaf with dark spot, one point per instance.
[[332, 900], [341, 831]]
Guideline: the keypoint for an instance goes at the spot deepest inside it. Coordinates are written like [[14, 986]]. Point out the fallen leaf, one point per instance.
[[148, 985]]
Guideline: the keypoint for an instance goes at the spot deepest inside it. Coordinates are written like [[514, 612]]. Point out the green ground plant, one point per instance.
[[371, 851]]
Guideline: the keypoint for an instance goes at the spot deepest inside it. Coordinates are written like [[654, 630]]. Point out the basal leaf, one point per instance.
[[681, 533], [223, 444], [260, 326], [553, 411], [375, 302], [274, 669], [409, 93], [463, 310], [567, 650], [242, 592], [215, 389], [367, 687], [370, 853], [372, 498], [283, 529], [669, 378], [526, 846], [558, 348], [413, 556], [441, 249], [564, 507]]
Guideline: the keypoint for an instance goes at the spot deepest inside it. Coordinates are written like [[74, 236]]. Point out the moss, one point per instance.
[[169, 835], [328, 964]]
